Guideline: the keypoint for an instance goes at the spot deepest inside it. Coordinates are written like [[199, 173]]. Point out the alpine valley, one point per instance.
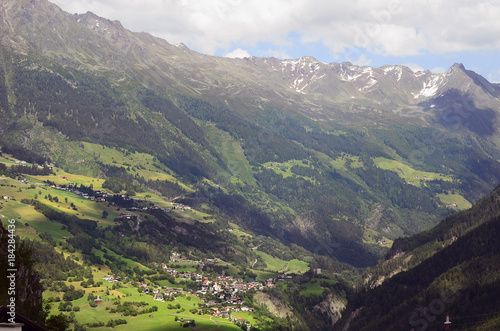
[[152, 187]]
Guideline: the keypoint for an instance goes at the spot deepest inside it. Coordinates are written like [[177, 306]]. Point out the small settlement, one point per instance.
[[221, 295]]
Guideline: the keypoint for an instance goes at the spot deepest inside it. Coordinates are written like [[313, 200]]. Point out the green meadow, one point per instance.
[[416, 177], [352, 160], [284, 167], [371, 236], [406, 172], [297, 266], [275, 264], [142, 164], [162, 319], [129, 262], [457, 199], [233, 154], [311, 288]]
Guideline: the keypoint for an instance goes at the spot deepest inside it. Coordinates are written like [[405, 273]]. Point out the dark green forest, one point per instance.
[[452, 268]]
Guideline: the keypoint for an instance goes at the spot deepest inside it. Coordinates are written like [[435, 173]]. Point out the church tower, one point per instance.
[[447, 324]]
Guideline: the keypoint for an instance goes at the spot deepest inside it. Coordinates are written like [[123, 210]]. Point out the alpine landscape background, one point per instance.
[[320, 196]]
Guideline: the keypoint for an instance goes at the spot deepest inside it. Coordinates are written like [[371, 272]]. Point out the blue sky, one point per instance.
[[423, 34]]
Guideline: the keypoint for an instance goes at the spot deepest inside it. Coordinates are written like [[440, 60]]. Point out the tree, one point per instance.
[[104, 214], [79, 327], [57, 323]]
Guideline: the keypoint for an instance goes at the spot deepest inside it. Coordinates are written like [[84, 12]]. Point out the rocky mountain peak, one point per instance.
[[89, 41], [92, 20], [457, 65]]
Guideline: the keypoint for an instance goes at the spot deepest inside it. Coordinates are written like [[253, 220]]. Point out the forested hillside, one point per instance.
[[292, 167], [316, 176], [450, 269]]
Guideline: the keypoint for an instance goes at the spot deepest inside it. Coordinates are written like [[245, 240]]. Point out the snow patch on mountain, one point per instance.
[[302, 63], [303, 71], [349, 78], [369, 85], [399, 71], [296, 84], [350, 73], [430, 87]]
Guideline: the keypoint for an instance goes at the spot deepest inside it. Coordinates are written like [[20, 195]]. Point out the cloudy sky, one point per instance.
[[423, 34]]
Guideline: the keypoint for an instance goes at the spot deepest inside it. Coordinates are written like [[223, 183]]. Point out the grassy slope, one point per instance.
[[275, 264], [233, 155], [38, 223], [408, 173], [459, 200], [414, 177], [143, 164], [162, 319], [284, 168]]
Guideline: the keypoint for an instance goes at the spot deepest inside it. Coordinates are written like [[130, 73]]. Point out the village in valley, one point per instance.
[[186, 290], [221, 295]]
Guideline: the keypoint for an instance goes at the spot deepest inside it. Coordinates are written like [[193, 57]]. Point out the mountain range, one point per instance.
[[319, 90], [69, 78], [337, 159]]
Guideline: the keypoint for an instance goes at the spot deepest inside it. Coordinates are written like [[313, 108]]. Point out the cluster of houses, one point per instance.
[[223, 291], [111, 279], [223, 286], [227, 287], [176, 257], [113, 199], [220, 294], [99, 195], [158, 294], [180, 206]]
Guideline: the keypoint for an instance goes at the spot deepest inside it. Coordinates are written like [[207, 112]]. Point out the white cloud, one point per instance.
[[279, 54], [414, 67], [494, 77], [384, 27], [238, 53], [362, 61], [438, 70]]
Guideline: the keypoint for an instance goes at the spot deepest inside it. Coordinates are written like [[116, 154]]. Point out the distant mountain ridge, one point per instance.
[[92, 42]]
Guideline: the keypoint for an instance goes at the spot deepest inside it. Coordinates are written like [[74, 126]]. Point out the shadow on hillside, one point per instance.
[[456, 110]]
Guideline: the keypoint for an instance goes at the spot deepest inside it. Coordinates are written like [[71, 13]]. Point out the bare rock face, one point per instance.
[[332, 307], [274, 305]]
